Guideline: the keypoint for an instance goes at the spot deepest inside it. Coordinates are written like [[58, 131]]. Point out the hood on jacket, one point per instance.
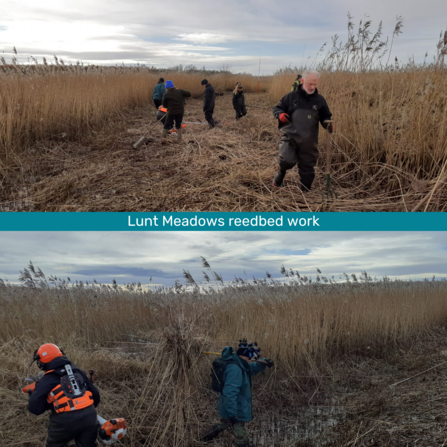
[[229, 354], [56, 363]]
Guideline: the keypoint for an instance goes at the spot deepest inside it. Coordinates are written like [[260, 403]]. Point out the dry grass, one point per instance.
[[66, 134], [41, 102], [337, 347], [230, 168]]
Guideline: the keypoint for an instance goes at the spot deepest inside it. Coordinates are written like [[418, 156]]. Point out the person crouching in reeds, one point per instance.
[[239, 101]]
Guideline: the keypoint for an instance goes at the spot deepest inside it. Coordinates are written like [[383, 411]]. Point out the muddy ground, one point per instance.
[[354, 404]]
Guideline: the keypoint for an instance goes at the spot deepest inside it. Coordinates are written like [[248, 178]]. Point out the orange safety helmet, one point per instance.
[[45, 354]]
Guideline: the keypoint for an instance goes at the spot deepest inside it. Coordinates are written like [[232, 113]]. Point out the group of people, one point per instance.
[[73, 414], [299, 114], [171, 100]]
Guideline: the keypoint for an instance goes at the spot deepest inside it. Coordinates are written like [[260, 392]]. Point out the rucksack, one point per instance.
[[217, 373]]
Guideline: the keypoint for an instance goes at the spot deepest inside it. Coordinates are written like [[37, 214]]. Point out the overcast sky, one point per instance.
[[130, 257], [207, 33]]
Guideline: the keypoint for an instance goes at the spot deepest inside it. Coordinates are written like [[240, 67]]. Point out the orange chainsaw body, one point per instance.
[[109, 428]]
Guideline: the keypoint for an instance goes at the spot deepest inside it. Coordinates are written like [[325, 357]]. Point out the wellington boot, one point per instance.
[[179, 134], [165, 133], [278, 179], [211, 433]]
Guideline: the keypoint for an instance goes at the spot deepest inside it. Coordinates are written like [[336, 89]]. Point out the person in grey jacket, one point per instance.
[[299, 114], [159, 91], [235, 401]]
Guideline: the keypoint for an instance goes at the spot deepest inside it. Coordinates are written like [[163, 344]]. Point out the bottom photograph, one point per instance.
[[223, 338]]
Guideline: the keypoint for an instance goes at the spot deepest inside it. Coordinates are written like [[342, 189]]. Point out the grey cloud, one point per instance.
[[136, 256], [251, 21]]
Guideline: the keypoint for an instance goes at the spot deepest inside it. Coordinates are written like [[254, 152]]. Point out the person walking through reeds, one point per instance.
[[209, 100], [159, 91], [234, 385], [297, 83], [298, 114], [174, 102], [239, 101]]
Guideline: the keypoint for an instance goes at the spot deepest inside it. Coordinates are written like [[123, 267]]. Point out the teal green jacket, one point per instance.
[[159, 91], [235, 400]]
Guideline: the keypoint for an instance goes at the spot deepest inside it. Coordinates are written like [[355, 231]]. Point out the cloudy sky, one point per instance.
[[207, 33], [130, 257]]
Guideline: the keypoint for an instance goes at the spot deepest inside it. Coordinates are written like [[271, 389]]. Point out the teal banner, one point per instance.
[[214, 221]]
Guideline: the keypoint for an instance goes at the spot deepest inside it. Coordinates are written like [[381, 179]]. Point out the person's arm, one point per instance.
[[281, 107], [231, 389], [256, 367], [38, 400], [164, 101], [207, 100], [186, 93], [324, 114]]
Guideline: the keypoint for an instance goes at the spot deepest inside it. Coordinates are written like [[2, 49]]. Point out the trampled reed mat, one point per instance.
[[389, 153]]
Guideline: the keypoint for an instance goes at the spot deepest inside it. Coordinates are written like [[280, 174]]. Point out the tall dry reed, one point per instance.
[[48, 101], [145, 346]]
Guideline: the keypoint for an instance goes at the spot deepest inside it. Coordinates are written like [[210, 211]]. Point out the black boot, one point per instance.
[[278, 179], [211, 433]]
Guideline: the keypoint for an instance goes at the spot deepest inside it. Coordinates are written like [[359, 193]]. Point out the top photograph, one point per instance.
[[248, 106]]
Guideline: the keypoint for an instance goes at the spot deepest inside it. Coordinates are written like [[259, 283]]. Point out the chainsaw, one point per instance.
[[110, 431]]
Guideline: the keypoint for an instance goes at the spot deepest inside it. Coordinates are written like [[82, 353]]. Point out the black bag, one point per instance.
[[217, 373]]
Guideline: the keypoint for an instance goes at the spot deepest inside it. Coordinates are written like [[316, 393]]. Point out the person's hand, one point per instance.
[[233, 420], [330, 127], [269, 362], [284, 118]]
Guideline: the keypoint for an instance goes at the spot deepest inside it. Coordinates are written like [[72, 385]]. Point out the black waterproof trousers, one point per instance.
[[240, 112], [80, 426], [157, 103], [306, 158], [169, 123], [209, 117], [299, 145]]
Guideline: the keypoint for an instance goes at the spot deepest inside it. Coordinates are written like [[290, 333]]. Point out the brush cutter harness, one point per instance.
[[71, 394]]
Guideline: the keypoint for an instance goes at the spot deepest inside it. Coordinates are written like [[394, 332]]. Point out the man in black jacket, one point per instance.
[[71, 418], [174, 101], [209, 100], [298, 114]]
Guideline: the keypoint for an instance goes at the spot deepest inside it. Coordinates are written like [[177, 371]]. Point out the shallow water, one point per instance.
[[312, 424]]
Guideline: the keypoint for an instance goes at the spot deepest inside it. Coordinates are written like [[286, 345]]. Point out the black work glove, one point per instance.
[[269, 362], [233, 420]]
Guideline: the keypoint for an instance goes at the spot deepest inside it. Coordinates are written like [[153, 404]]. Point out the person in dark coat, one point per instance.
[[235, 401], [297, 83], [174, 101], [70, 419], [159, 91], [239, 101], [209, 100], [299, 114]]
